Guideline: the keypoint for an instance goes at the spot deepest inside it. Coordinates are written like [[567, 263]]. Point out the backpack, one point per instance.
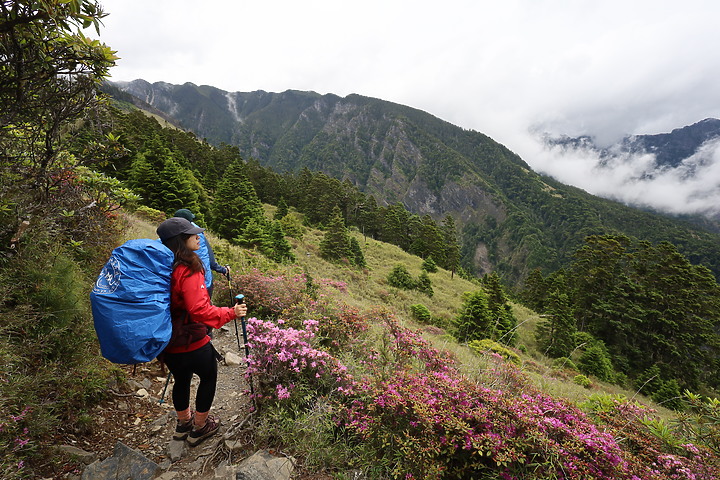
[[131, 302]]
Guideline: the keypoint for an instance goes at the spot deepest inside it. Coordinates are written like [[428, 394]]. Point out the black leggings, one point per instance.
[[183, 365]]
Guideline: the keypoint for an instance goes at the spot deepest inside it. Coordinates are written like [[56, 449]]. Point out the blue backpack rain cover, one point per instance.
[[131, 302]]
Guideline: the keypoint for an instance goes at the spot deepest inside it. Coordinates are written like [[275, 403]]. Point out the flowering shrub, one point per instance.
[[656, 454], [410, 413], [268, 295], [338, 325], [286, 366], [448, 427]]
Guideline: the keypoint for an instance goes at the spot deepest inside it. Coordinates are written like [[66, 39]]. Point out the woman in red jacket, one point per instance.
[[190, 350]]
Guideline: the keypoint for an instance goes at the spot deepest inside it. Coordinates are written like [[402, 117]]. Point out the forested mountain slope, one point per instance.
[[512, 219]]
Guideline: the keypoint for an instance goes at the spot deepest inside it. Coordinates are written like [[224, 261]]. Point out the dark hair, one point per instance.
[[183, 255]]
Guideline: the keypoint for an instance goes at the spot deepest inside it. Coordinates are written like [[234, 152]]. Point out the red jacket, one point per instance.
[[189, 294]]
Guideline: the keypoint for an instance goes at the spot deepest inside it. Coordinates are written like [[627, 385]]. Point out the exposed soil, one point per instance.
[[146, 425]]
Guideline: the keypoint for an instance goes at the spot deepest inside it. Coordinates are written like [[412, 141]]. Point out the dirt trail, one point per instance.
[[143, 424]]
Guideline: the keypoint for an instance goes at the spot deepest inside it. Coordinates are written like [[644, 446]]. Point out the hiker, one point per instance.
[[190, 350], [205, 253]]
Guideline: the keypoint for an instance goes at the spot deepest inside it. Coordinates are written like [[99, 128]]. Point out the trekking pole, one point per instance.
[[162, 397], [239, 299], [232, 299]]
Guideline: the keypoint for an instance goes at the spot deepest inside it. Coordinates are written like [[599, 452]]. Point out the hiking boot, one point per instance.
[[197, 435], [182, 429]]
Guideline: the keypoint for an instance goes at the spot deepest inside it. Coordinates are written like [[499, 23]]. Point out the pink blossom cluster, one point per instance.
[[413, 408], [283, 360]]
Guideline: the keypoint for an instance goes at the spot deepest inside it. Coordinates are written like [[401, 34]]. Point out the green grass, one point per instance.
[[368, 288]]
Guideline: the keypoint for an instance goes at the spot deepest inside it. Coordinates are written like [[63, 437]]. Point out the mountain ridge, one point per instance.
[[512, 219]]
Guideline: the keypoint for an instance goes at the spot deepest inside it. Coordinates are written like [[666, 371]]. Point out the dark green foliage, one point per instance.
[[401, 278], [279, 248], [235, 204], [647, 303], [254, 236], [282, 209], [475, 321], [596, 361], [358, 257], [499, 306], [556, 334], [421, 313], [335, 245], [424, 284], [429, 265]]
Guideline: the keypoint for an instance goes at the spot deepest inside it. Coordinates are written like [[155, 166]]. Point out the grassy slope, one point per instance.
[[368, 288]]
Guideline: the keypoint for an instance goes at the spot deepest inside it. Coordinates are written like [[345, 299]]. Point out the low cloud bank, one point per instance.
[[692, 187]]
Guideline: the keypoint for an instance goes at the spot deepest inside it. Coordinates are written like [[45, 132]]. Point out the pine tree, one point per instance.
[[280, 249], [358, 258], [235, 203], [335, 245], [399, 277], [429, 265], [475, 320], [254, 235], [424, 284], [282, 209], [451, 259], [500, 307], [556, 335]]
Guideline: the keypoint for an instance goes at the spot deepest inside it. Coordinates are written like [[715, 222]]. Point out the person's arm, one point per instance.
[[213, 264], [197, 302]]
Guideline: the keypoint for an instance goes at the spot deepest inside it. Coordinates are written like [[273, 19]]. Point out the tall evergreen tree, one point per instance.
[[358, 255], [475, 321], [556, 334], [235, 203], [280, 249], [499, 306], [451, 258], [282, 209], [335, 244]]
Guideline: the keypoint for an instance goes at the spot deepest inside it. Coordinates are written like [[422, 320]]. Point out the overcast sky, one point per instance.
[[507, 68]]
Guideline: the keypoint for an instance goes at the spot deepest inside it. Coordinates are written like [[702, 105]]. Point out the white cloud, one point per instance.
[[505, 69], [693, 187]]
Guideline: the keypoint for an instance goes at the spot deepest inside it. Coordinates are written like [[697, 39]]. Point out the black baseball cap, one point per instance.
[[175, 226]]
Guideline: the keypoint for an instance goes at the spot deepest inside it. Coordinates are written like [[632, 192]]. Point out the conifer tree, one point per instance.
[[145, 181], [357, 253], [556, 335], [534, 291], [235, 203], [424, 284], [474, 322], [279, 249], [254, 235], [335, 245], [176, 184], [282, 209], [451, 258], [399, 277], [499, 306], [429, 265]]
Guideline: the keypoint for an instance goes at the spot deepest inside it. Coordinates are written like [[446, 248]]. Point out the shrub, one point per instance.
[[596, 361], [421, 313], [150, 214], [582, 380], [564, 363], [401, 278], [486, 345]]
